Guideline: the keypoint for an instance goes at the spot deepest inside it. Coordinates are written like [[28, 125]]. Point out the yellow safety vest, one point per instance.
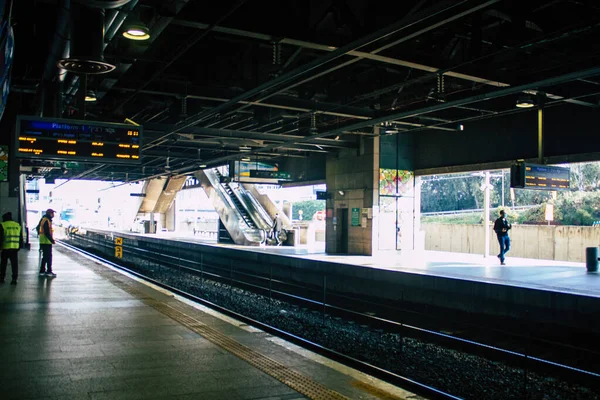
[[12, 235], [43, 238]]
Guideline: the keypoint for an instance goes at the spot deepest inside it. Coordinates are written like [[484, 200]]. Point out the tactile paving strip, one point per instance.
[[300, 383]]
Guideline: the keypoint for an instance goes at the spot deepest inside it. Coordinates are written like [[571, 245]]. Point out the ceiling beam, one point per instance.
[[323, 47], [436, 19], [438, 107], [225, 133], [280, 102]]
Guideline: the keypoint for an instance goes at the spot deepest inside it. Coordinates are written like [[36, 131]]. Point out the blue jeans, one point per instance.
[[504, 242]]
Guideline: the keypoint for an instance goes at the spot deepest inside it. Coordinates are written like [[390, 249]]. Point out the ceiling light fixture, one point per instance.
[[525, 101], [90, 95], [202, 165], [136, 31]]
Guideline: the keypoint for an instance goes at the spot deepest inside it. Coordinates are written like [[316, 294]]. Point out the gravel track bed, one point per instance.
[[461, 374]]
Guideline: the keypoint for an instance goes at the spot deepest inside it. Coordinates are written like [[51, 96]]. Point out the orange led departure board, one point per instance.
[[69, 139], [541, 177]]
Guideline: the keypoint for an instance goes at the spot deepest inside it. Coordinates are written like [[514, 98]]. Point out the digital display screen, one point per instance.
[[546, 177], [66, 139]]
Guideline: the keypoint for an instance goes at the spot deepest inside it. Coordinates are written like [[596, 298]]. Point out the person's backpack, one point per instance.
[[38, 226]]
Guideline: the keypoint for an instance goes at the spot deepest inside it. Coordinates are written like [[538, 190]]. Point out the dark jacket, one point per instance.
[[500, 224], [277, 224]]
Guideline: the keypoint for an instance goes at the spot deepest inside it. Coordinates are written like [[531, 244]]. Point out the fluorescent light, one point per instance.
[[202, 165]]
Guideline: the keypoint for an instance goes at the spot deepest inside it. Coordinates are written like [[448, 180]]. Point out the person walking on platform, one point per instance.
[[277, 226], [10, 238], [46, 233], [501, 227]]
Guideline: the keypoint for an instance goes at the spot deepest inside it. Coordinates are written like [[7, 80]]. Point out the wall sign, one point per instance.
[[356, 217]]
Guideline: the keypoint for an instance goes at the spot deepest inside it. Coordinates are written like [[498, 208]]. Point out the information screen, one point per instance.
[[67, 139], [546, 177], [541, 177]]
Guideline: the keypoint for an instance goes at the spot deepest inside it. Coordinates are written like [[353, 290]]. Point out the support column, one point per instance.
[[486, 214], [352, 184], [541, 134]]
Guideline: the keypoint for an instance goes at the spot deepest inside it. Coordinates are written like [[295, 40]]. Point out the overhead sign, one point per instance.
[[541, 177], [66, 139], [279, 175]]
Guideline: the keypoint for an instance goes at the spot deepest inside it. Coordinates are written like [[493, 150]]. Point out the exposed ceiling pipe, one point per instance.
[[56, 50], [115, 21]]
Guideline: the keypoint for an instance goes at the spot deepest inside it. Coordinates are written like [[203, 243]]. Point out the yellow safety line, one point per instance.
[[295, 380]]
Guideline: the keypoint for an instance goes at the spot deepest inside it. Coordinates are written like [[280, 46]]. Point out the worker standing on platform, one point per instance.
[[501, 227], [10, 238], [277, 226], [46, 233]]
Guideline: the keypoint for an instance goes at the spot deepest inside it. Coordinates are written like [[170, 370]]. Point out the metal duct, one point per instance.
[[103, 3], [60, 45], [87, 42]]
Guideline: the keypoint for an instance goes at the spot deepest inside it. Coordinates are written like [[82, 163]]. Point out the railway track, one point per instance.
[[437, 360]]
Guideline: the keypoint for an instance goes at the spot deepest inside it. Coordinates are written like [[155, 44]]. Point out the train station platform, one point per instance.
[[97, 333], [545, 275]]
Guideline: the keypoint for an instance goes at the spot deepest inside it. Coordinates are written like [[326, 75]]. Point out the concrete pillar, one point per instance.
[[170, 217], [352, 187]]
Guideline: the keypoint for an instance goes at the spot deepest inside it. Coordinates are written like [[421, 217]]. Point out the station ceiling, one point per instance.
[[274, 80]]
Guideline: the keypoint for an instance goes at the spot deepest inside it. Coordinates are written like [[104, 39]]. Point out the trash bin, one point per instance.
[[293, 237], [591, 259]]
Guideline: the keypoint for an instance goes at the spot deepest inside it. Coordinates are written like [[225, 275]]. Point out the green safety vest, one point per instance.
[[43, 238], [12, 235]]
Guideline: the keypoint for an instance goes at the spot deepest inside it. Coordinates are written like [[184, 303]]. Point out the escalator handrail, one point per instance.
[[252, 207], [220, 189]]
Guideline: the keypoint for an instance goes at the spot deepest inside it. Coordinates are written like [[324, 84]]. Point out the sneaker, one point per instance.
[[42, 273], [13, 282], [502, 263], [51, 274]]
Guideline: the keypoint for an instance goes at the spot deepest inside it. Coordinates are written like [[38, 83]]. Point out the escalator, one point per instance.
[[238, 204], [240, 213]]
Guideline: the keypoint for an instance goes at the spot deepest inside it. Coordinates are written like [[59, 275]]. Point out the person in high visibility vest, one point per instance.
[[10, 238], [46, 233]]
